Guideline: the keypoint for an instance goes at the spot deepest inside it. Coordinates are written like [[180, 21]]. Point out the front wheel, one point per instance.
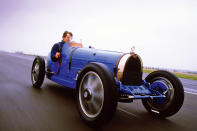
[[170, 86], [96, 95]]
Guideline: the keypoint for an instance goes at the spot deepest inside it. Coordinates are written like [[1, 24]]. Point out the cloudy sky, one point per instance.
[[164, 32]]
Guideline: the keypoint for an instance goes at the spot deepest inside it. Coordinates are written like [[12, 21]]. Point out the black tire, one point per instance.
[[37, 76], [106, 89], [174, 98]]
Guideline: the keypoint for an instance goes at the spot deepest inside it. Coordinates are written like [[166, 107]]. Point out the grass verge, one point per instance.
[[180, 75]]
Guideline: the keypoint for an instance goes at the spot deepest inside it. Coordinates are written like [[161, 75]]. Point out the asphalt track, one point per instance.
[[53, 108]]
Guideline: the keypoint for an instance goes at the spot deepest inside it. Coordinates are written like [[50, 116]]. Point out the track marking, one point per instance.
[[190, 93], [127, 112]]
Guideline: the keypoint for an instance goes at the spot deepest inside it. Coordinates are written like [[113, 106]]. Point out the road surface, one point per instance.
[[23, 108]]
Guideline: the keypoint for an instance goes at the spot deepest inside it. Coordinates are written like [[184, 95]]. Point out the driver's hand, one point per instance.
[[57, 55]]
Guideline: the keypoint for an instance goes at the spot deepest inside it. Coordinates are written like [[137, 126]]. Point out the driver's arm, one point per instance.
[[55, 53]]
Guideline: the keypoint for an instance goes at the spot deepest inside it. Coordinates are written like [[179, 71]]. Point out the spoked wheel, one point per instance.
[[96, 95], [169, 86], [38, 72]]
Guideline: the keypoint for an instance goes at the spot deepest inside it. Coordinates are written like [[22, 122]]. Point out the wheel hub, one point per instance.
[[87, 94], [161, 87], [35, 73]]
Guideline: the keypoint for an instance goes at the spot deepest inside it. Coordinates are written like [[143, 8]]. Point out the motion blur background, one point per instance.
[[163, 32]]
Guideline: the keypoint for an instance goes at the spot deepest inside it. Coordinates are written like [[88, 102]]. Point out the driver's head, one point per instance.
[[67, 36]]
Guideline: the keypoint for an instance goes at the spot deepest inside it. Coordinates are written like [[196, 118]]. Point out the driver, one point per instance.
[[56, 49]]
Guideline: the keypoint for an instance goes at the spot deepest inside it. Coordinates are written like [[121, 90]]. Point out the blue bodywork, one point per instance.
[[80, 58], [75, 58]]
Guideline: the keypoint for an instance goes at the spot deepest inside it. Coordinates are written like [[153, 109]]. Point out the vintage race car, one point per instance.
[[102, 78]]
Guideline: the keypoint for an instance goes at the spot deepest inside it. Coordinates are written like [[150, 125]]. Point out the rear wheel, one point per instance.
[[96, 95], [38, 72], [170, 86]]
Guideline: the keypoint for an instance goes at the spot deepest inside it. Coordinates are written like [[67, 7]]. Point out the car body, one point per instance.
[[103, 78], [75, 58]]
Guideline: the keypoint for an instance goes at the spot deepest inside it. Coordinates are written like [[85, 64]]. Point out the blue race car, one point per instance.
[[102, 78]]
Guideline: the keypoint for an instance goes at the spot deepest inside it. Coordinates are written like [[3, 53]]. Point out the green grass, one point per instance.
[[186, 75], [180, 75], [148, 70]]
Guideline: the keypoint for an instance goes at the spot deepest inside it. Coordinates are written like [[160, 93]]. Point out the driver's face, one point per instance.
[[67, 38]]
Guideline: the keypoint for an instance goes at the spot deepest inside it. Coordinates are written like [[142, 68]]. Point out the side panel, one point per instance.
[[83, 56], [80, 58], [63, 76]]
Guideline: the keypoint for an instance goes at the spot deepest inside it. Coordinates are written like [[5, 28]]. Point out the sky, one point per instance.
[[164, 32]]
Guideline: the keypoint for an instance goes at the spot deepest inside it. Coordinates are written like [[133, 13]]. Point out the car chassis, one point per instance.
[[103, 78]]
